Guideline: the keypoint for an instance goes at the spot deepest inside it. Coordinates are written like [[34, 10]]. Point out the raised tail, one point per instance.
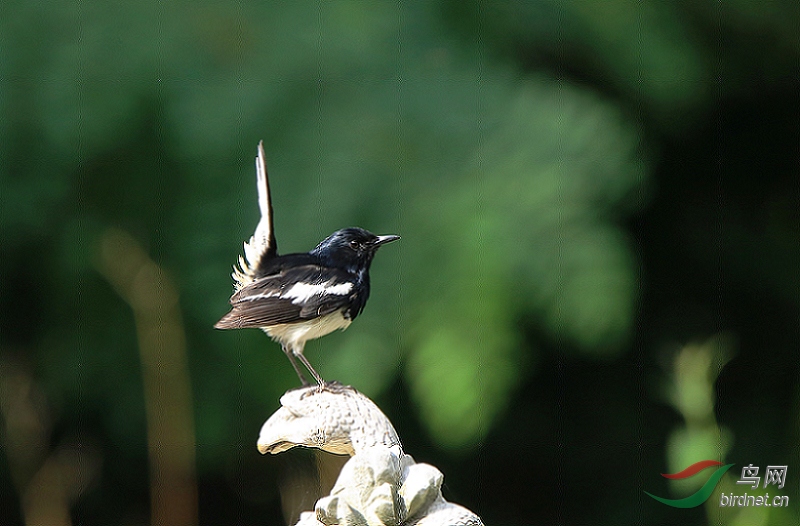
[[262, 245]]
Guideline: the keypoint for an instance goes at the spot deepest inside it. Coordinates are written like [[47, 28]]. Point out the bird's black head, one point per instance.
[[351, 249]]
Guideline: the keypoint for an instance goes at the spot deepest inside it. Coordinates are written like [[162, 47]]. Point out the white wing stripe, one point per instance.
[[302, 292]]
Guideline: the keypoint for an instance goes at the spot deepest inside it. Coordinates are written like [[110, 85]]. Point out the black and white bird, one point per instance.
[[299, 297]]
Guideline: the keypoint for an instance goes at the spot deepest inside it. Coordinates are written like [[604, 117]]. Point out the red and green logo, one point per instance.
[[701, 495]]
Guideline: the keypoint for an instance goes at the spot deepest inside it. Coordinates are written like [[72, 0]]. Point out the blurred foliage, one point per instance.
[[691, 392], [581, 188]]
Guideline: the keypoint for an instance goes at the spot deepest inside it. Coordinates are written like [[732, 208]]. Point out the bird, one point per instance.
[[299, 297]]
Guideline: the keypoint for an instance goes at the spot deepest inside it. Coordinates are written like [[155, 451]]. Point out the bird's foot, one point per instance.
[[330, 387], [334, 387]]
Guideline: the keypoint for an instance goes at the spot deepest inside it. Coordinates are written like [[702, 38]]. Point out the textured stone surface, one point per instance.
[[380, 485], [340, 421]]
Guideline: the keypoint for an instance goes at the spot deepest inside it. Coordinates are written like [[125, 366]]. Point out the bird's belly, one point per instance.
[[298, 333]]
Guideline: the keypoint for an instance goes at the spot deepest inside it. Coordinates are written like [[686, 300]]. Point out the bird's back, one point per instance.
[[295, 288]]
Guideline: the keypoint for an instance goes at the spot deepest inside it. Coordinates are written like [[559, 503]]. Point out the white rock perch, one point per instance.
[[380, 485]]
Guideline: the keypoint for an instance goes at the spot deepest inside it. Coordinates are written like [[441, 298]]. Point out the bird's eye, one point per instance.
[[354, 245]]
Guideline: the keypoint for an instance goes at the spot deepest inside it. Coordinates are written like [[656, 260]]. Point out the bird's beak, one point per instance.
[[382, 240]]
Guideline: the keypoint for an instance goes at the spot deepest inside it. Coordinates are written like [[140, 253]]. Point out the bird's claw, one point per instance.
[[333, 387]]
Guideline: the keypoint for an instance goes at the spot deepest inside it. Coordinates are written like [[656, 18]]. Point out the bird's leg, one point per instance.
[[290, 355], [298, 352], [331, 387]]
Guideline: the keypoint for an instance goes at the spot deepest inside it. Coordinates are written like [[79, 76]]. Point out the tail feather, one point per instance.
[[230, 321], [262, 244]]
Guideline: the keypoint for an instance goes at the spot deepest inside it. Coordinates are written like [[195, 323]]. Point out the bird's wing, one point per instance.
[[262, 245], [295, 294]]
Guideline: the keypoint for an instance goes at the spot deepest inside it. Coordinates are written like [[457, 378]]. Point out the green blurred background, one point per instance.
[[597, 282]]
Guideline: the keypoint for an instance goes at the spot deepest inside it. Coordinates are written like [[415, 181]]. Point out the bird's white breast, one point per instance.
[[291, 334]]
